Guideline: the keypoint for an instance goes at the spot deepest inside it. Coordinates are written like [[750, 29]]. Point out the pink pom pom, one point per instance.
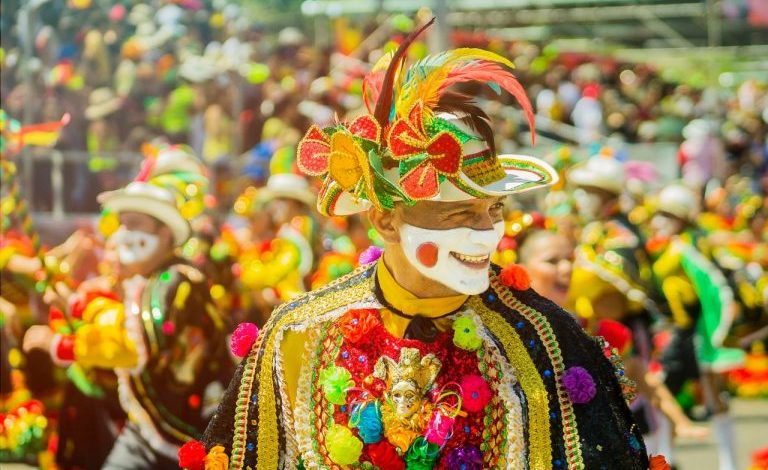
[[243, 338], [440, 428], [371, 254], [475, 393]]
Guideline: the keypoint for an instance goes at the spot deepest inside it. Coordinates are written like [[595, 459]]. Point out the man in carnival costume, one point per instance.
[[701, 306], [429, 357], [154, 324]]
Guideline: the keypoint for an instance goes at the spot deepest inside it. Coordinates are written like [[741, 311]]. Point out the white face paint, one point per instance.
[[457, 258], [588, 204], [134, 246]]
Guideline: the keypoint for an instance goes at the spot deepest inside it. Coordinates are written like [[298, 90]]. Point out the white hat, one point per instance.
[[288, 186], [601, 172], [152, 200], [679, 201], [102, 102]]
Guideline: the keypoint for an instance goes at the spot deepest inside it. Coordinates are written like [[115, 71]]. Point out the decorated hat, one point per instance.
[[422, 141], [284, 182], [601, 171], [170, 187]]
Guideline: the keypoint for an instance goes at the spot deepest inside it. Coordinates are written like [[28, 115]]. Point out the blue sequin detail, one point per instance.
[[467, 429], [558, 463], [343, 408], [254, 398], [531, 343], [553, 415], [519, 325], [250, 446], [491, 297], [361, 359], [344, 354], [621, 372], [547, 373]]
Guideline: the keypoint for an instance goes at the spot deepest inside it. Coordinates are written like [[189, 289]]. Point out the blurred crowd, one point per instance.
[[232, 98]]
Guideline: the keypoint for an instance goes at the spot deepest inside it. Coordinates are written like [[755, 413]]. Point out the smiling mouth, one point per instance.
[[474, 262]]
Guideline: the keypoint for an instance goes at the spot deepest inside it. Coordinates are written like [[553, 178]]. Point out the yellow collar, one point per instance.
[[407, 303]]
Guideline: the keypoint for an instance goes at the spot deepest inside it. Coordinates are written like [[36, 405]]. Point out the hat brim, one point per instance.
[[266, 194], [523, 173], [581, 176], [118, 201], [102, 109]]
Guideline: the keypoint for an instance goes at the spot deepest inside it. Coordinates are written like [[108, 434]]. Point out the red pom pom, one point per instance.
[[516, 277], [243, 338], [616, 334], [192, 456], [384, 455]]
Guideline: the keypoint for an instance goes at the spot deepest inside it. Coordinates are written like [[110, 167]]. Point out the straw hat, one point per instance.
[[287, 186], [101, 103], [599, 171], [679, 201]]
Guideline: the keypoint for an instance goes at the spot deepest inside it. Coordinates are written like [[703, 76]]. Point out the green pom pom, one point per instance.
[[343, 447], [465, 334], [335, 382], [422, 455]]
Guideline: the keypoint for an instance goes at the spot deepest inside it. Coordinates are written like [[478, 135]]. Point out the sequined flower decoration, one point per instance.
[[475, 393], [466, 457], [422, 455], [425, 160], [243, 338], [336, 381], [579, 384], [440, 428], [465, 333], [659, 462], [343, 447], [367, 419], [384, 455], [356, 324], [216, 459], [192, 456], [516, 277]]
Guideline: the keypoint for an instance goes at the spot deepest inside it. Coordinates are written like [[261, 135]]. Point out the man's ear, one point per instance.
[[166, 237], [384, 223]]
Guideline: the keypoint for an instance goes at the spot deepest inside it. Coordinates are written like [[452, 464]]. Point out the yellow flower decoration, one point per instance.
[[349, 167], [216, 459]]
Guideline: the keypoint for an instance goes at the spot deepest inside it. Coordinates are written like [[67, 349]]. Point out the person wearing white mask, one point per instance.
[[155, 325], [429, 356]]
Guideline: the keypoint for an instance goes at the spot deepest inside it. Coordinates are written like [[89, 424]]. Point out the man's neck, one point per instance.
[[410, 279]]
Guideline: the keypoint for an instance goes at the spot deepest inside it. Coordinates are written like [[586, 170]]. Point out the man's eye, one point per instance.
[[498, 206]]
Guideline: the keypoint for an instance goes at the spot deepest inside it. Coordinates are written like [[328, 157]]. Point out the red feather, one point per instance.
[[489, 72]]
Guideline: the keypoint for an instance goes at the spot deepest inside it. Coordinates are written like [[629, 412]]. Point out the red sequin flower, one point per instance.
[[384, 455], [516, 277], [356, 324]]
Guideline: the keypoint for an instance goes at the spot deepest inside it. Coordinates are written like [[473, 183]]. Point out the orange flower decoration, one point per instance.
[[659, 462], [356, 324]]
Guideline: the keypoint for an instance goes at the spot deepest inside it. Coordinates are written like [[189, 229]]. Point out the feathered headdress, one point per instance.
[[420, 140]]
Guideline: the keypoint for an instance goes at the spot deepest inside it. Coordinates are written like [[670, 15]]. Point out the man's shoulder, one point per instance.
[[348, 289]]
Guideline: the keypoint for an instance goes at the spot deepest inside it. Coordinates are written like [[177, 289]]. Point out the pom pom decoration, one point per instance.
[[243, 338], [422, 455], [516, 277], [579, 384], [616, 334], [465, 334], [356, 324], [192, 456], [335, 382], [439, 429], [659, 462], [384, 455], [343, 447], [466, 458], [371, 254], [475, 393], [367, 419]]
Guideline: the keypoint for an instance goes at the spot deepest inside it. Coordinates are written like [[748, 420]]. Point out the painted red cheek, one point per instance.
[[426, 253]]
